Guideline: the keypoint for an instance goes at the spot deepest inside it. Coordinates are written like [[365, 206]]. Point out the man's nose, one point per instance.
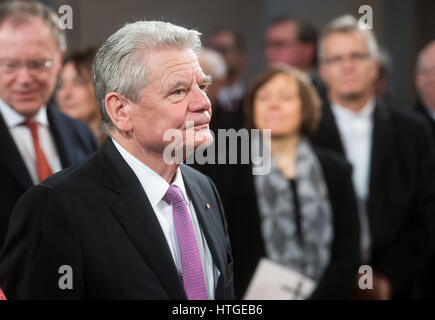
[[200, 101], [348, 63], [23, 75]]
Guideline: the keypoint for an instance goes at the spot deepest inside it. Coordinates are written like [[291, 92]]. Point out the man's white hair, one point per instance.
[[347, 24], [213, 62], [22, 12], [120, 65]]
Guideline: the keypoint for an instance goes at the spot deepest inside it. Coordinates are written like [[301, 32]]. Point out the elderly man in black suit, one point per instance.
[[392, 156], [130, 222], [36, 140]]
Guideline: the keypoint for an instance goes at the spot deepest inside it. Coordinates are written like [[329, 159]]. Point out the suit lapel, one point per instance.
[[328, 135], [135, 214], [382, 140], [11, 156], [62, 137], [423, 111]]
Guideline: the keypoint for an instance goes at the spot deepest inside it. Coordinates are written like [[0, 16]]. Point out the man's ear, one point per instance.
[[309, 52], [59, 63], [117, 107], [376, 69], [62, 54], [323, 72]]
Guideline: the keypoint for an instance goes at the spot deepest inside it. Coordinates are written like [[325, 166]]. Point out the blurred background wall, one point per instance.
[[402, 27]]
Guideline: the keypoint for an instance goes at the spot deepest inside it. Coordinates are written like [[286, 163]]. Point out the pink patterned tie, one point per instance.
[[191, 265]]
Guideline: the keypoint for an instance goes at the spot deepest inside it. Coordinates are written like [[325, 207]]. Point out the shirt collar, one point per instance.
[[364, 113], [13, 118], [153, 184], [231, 93]]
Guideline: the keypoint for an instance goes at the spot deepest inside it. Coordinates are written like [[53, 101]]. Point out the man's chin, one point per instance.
[[27, 109], [352, 95], [203, 138]]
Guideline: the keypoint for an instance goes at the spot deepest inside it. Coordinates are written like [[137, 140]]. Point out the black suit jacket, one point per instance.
[[236, 186], [401, 204], [428, 278], [222, 119], [421, 109], [73, 140], [96, 218]]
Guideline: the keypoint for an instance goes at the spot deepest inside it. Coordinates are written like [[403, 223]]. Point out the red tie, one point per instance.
[[2, 296], [44, 170]]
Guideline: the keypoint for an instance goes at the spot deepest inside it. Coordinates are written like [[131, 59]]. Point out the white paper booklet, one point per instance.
[[272, 281]]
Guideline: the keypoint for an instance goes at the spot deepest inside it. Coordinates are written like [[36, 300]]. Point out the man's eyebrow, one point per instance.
[[177, 84], [206, 79]]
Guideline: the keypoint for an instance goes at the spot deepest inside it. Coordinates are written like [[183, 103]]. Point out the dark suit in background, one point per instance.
[[401, 202], [224, 119], [41, 37], [73, 140], [96, 218], [428, 281], [421, 109]]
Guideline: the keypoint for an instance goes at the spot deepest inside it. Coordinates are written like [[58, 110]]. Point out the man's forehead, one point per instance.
[[180, 61], [429, 56], [344, 41], [185, 73], [175, 64], [224, 38], [33, 29], [285, 27]]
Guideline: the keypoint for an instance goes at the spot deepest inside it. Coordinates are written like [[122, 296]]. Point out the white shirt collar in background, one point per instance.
[[23, 139], [364, 113], [13, 118]]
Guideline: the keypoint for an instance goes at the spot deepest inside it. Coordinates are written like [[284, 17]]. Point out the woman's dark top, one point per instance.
[[235, 184]]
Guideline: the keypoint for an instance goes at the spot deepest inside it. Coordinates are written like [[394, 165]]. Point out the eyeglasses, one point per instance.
[[280, 44], [35, 66], [354, 58]]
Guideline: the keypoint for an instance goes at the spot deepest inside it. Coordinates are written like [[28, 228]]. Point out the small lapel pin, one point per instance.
[[207, 206]]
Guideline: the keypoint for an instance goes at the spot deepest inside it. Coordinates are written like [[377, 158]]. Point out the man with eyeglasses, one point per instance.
[[36, 140], [292, 40], [393, 162]]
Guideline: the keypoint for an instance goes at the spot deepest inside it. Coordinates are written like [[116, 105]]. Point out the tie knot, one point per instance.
[[33, 126], [173, 195]]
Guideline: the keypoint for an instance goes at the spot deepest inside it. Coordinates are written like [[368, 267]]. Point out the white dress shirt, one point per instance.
[[356, 133], [229, 95], [155, 188], [24, 142], [356, 130]]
